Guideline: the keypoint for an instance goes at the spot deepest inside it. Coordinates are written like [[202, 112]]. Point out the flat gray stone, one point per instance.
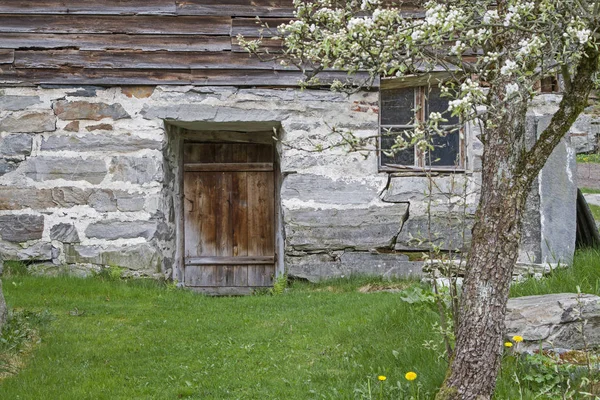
[[39, 251], [113, 229], [38, 199], [315, 267], [136, 169], [554, 321], [66, 233], [21, 228], [140, 257], [29, 122], [71, 169], [16, 145], [15, 103], [7, 166], [447, 232], [72, 110], [118, 143], [322, 189], [360, 229]]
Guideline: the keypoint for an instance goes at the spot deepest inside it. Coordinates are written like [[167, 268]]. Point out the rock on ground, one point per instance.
[[554, 320]]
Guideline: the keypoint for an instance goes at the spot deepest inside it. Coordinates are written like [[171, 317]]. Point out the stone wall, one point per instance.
[[89, 177]]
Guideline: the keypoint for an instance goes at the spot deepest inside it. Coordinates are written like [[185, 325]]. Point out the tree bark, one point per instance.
[[508, 172], [2, 301]]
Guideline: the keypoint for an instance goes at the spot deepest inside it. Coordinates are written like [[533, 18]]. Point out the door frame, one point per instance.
[[179, 137]]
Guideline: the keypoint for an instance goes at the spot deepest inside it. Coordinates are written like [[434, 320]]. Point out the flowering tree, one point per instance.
[[494, 52]]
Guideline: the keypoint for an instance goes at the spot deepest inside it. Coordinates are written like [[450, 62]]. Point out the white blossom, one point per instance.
[[511, 88], [508, 68]]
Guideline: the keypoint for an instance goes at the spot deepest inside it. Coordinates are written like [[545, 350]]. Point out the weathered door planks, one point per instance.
[[229, 215]]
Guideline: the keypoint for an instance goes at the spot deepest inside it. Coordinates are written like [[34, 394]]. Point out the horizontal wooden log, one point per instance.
[[251, 27], [118, 7], [142, 60], [109, 77], [7, 56], [268, 45], [227, 167], [252, 260], [115, 42], [155, 25], [236, 8]]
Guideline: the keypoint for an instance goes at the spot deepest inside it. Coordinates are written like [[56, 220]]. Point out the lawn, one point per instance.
[[112, 339]]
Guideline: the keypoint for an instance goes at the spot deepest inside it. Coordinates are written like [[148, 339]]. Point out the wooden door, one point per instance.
[[229, 215]]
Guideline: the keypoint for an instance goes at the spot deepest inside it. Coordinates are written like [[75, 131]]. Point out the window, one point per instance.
[[401, 109]]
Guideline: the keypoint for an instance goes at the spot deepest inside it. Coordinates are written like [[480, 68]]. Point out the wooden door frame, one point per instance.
[[184, 136]]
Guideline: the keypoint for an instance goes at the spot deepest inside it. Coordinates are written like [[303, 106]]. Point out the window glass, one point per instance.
[[446, 151], [436, 103], [402, 157], [397, 106]]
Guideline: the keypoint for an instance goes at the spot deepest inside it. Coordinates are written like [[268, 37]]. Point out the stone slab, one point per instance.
[[315, 267], [105, 142], [113, 229], [554, 321], [357, 228], [71, 169], [29, 122], [322, 189], [39, 251], [136, 169], [66, 233], [16, 145], [446, 232], [72, 110], [7, 166], [21, 227], [15, 103], [140, 257]]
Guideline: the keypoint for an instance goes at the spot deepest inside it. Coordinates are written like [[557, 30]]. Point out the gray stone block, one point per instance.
[[71, 110], [15, 103], [70, 169], [37, 199], [322, 189], [21, 228], [29, 122], [136, 169], [66, 233], [119, 143], [112, 229], [39, 251], [446, 232], [7, 166], [361, 229], [554, 321], [315, 267], [140, 257], [16, 145]]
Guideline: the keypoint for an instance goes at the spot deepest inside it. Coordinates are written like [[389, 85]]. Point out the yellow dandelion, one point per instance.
[[382, 377], [410, 376], [517, 339], [508, 344]]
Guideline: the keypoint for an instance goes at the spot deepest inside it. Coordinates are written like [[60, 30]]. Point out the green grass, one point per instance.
[[585, 273], [595, 211], [589, 190], [114, 339], [137, 340], [589, 158]]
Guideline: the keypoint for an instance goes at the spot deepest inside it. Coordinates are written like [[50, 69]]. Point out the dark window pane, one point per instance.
[[397, 106], [446, 152], [435, 103], [400, 157]]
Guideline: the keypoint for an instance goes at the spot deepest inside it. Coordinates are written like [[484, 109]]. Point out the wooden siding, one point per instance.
[[139, 42]]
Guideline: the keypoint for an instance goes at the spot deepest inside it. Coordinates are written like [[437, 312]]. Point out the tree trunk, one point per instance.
[[508, 172], [2, 301]]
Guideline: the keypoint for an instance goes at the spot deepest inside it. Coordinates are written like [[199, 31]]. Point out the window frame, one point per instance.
[[419, 100]]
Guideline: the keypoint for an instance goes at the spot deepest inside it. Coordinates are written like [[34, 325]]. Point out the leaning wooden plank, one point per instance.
[[110, 7], [107, 77], [142, 60], [7, 56], [263, 8], [156, 25], [229, 167], [24, 41], [251, 27], [258, 260]]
